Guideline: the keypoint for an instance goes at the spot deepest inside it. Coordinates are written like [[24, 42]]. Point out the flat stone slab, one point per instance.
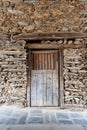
[[12, 118], [43, 127], [62, 115]]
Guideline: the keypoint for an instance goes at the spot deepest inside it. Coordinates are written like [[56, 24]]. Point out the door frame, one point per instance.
[[60, 73]]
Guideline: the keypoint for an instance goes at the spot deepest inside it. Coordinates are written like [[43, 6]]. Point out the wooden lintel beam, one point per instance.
[[53, 46], [49, 36]]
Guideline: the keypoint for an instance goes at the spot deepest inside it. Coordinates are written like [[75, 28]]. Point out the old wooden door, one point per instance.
[[44, 78]]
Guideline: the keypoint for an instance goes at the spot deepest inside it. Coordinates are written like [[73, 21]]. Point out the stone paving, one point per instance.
[[26, 116]]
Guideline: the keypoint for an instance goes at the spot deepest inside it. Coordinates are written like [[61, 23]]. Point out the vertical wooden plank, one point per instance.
[[49, 88], [40, 88], [33, 88], [48, 61], [55, 88], [54, 60], [29, 62], [45, 87], [36, 86], [55, 80], [36, 61], [61, 79], [45, 59], [57, 67], [42, 57], [34, 64], [40, 62], [52, 87], [51, 60]]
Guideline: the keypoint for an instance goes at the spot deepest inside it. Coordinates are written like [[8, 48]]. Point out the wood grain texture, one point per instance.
[[44, 88], [54, 46], [44, 60], [49, 36]]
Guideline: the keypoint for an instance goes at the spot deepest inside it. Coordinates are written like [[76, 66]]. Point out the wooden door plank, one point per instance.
[[48, 61], [40, 88], [42, 57], [61, 79], [45, 59], [35, 62], [51, 61], [49, 88], [55, 88], [33, 89], [29, 68], [45, 87]]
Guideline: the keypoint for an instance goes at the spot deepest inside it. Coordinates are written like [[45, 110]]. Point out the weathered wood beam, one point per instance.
[[49, 36], [53, 46]]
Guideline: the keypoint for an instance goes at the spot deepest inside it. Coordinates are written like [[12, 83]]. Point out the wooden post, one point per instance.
[[29, 78], [61, 78]]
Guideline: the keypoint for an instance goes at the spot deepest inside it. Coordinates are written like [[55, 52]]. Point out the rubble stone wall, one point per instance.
[[24, 16], [75, 76], [12, 73]]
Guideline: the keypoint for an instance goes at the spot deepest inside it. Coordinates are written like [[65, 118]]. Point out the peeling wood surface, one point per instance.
[[49, 36], [44, 88]]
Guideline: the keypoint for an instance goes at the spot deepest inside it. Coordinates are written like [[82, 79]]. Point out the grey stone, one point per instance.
[[65, 122], [80, 121], [45, 127], [36, 111], [23, 119], [47, 118], [53, 118], [35, 120], [16, 114], [5, 112], [15, 11], [10, 121], [62, 115], [76, 115], [23, 23], [85, 127]]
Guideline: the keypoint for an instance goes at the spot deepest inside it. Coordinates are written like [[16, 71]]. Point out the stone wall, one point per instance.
[[12, 72], [24, 16], [75, 75]]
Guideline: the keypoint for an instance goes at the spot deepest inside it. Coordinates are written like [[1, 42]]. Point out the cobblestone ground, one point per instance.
[[17, 116]]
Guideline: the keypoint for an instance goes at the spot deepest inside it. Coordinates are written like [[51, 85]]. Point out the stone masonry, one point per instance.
[[12, 72], [24, 16], [75, 75]]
